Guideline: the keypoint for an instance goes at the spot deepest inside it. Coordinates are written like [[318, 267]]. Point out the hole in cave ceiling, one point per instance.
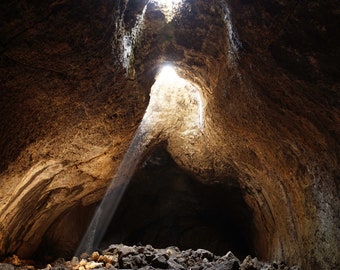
[[175, 106], [168, 7]]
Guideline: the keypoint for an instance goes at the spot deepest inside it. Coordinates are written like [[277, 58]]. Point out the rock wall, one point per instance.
[[268, 76]]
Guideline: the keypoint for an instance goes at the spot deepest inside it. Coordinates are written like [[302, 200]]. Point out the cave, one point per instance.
[[166, 206], [215, 124]]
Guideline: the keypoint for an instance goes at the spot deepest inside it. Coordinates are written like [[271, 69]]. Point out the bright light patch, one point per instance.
[[168, 3], [175, 106], [168, 73], [168, 7]]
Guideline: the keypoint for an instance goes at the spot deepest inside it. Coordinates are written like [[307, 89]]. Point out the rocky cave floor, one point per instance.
[[147, 258]]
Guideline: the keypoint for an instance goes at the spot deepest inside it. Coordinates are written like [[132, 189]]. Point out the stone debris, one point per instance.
[[6, 266], [149, 258]]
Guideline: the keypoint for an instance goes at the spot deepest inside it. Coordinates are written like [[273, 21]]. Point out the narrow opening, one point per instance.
[[168, 7], [166, 206]]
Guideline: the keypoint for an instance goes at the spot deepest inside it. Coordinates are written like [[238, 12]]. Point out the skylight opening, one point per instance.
[[168, 7], [168, 74], [175, 105]]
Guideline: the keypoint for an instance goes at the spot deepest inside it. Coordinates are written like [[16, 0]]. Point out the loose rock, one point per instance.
[[149, 258]]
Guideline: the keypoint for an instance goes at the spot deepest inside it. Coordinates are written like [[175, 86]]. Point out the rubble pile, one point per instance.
[[148, 258]]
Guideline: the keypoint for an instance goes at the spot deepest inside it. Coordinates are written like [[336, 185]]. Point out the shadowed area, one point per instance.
[[166, 206]]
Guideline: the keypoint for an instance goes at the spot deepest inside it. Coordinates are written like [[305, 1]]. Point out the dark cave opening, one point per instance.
[[166, 206], [163, 206]]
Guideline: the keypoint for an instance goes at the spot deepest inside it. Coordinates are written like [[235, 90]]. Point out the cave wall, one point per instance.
[[61, 93], [268, 74]]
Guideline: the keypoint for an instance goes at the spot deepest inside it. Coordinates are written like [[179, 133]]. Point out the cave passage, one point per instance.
[[166, 206], [169, 94]]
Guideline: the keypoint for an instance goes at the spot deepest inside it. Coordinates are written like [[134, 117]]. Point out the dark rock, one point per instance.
[[160, 261], [229, 261], [230, 265], [191, 262], [149, 257], [169, 258], [127, 262], [249, 263], [181, 259], [126, 250], [175, 265], [196, 267], [205, 254], [140, 260]]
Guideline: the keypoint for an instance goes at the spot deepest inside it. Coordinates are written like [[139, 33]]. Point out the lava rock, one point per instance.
[[202, 253], [149, 258], [160, 262], [175, 265]]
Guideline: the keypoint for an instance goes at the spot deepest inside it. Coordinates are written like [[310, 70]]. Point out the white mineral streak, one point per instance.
[[234, 42]]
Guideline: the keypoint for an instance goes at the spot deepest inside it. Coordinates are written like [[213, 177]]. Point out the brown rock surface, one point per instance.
[[267, 73]]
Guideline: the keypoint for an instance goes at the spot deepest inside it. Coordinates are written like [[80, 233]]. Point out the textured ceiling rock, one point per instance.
[[267, 72]]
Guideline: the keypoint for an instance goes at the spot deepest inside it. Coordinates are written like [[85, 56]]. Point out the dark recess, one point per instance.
[[166, 206]]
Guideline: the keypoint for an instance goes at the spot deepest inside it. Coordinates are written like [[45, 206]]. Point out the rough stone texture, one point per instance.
[[148, 257], [165, 205], [268, 76]]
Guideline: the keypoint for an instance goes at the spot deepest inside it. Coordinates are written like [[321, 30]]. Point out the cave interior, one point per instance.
[[226, 114]]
